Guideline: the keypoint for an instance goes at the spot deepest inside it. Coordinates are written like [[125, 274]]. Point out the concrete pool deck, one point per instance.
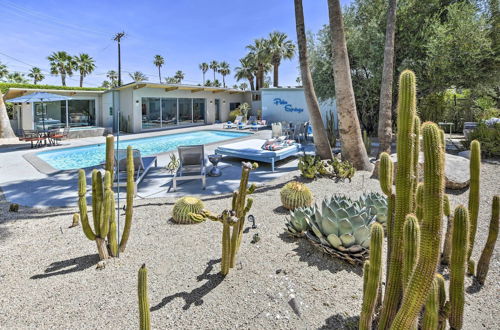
[[26, 185]]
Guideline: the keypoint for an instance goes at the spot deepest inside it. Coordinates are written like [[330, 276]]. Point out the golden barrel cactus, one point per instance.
[[183, 207], [295, 194]]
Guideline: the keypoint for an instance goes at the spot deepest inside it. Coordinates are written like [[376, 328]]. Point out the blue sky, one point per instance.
[[184, 32]]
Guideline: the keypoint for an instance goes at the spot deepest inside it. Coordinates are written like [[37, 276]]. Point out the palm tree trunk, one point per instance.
[[353, 148], [214, 74], [224, 80], [34, 81], [323, 148], [6, 131], [275, 74], [81, 79], [159, 74], [63, 79], [203, 78], [251, 82], [385, 110]]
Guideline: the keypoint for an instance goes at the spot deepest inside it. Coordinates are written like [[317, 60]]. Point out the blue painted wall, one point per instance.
[[289, 104]]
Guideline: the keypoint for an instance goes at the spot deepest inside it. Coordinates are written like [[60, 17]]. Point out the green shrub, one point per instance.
[[233, 114], [488, 136]]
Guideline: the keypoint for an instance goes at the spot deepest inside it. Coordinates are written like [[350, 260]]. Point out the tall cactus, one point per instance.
[[102, 209], [416, 154], [411, 242], [142, 290], [233, 218], [430, 321], [443, 313], [110, 154], [404, 193], [484, 261], [129, 209], [419, 198], [373, 275], [475, 173], [386, 180], [459, 242], [421, 281]]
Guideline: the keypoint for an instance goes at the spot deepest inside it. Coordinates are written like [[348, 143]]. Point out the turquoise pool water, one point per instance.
[[92, 155]]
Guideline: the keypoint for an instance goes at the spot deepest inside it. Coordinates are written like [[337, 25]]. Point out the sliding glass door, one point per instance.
[[168, 112]]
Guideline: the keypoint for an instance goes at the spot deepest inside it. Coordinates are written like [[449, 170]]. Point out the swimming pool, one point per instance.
[[92, 155]]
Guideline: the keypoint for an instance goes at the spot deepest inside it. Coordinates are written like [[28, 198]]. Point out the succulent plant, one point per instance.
[[295, 194], [342, 227], [184, 206], [308, 166], [297, 224], [377, 205]]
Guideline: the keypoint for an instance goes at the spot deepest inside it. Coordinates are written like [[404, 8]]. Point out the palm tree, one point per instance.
[[6, 131], [158, 62], [216, 83], [323, 149], [171, 80], [246, 71], [204, 68], [3, 71], [281, 49], [179, 76], [243, 86], [208, 83], [36, 74], [224, 70], [259, 53], [138, 76], [17, 78], [385, 108], [106, 84], [214, 65], [63, 64], [353, 148], [113, 77], [85, 65]]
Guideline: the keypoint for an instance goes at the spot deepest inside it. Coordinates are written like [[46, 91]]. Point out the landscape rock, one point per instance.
[[456, 170]]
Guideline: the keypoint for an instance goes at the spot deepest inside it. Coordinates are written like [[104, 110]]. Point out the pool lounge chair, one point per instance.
[[141, 167], [192, 165], [234, 124], [252, 150]]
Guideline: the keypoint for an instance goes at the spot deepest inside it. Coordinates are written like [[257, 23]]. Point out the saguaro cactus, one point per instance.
[[430, 320], [484, 261], [421, 281], [142, 290], [459, 243], [443, 313], [233, 218], [475, 173], [404, 193], [445, 256], [373, 275], [416, 154], [419, 211], [386, 179], [110, 154]]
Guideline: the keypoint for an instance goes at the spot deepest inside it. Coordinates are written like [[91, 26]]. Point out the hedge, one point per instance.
[[4, 87]]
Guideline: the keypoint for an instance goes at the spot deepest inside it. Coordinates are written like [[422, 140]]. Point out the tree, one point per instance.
[[63, 64], [85, 65], [281, 49], [138, 76], [323, 149], [385, 109], [158, 62], [208, 83], [113, 77], [17, 78], [204, 68], [179, 76], [36, 74], [6, 131], [106, 84], [214, 65], [3, 71], [216, 83], [246, 71], [260, 55], [243, 86], [353, 148], [224, 70]]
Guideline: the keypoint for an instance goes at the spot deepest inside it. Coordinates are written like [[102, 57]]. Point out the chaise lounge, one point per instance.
[[252, 150], [141, 167]]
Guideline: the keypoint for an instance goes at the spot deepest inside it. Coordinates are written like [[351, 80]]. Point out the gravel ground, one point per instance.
[[49, 278]]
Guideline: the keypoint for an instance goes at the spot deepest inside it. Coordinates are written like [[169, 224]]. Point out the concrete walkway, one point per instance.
[[24, 184]]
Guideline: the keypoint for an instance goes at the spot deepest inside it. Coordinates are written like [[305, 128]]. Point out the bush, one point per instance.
[[233, 114], [488, 136]]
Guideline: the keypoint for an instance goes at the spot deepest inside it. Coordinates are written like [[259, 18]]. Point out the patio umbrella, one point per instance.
[[40, 97]]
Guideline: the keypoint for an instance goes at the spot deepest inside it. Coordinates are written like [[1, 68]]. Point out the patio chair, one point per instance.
[[192, 165], [234, 124], [299, 132], [141, 167], [57, 135], [34, 137]]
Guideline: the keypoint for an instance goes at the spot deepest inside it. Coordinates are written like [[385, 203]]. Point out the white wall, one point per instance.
[[289, 104]]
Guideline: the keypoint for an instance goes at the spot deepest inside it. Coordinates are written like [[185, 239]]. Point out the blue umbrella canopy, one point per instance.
[[39, 97]]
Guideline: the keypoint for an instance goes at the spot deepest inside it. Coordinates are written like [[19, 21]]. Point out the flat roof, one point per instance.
[[14, 92], [173, 87]]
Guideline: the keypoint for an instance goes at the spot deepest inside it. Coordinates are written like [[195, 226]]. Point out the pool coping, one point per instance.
[[45, 168]]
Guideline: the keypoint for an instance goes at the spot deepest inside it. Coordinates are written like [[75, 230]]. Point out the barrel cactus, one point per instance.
[[295, 194], [184, 206], [342, 228]]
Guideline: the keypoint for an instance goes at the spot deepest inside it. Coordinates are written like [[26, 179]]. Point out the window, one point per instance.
[[168, 112], [80, 112], [198, 110], [233, 105], [53, 114], [185, 111], [151, 113]]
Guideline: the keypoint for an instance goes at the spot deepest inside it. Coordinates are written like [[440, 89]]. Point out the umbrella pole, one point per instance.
[[43, 115]]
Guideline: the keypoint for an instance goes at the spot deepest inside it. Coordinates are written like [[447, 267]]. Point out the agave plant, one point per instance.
[[376, 203], [297, 225]]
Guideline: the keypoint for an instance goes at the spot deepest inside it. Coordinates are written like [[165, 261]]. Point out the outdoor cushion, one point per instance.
[[253, 147]]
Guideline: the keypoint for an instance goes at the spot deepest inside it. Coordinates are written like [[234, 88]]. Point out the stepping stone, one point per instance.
[[456, 170]]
